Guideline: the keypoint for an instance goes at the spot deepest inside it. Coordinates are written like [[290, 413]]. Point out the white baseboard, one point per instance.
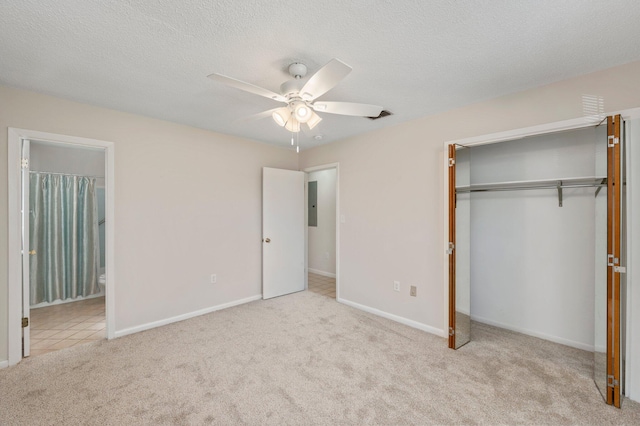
[[396, 318], [154, 324], [544, 336], [323, 273], [4, 364]]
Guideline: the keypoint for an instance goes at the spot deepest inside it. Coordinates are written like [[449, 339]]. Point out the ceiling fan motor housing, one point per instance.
[[290, 89]]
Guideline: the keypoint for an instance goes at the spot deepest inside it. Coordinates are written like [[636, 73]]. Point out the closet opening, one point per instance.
[[535, 241]]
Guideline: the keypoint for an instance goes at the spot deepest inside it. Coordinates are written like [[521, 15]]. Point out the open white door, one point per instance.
[[26, 251], [282, 232]]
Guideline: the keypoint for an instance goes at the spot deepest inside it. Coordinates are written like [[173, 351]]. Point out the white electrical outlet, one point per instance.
[[214, 278], [396, 285]]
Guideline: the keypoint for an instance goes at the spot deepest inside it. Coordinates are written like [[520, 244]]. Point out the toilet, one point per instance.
[[102, 279]]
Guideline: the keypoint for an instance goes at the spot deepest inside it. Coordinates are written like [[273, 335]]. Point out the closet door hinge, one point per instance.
[[25, 322], [612, 382], [612, 140], [450, 248], [451, 331], [24, 163], [612, 260], [451, 162]]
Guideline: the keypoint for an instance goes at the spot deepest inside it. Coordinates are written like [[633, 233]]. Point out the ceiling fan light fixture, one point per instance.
[[281, 116], [301, 111], [313, 120]]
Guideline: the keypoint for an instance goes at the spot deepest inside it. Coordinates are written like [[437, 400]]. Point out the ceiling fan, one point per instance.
[[301, 99]]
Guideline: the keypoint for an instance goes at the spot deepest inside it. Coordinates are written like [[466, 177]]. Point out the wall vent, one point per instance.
[[383, 113]]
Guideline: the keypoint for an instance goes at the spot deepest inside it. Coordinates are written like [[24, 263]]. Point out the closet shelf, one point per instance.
[[557, 184]]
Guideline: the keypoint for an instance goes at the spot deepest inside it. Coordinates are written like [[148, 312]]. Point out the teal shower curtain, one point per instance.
[[63, 232]]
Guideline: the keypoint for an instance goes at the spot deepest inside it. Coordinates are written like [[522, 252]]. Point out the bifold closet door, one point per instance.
[[614, 187], [607, 357], [459, 247]]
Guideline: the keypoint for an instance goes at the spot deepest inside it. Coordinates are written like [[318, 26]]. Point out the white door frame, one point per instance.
[[308, 170], [559, 126], [25, 188], [15, 137]]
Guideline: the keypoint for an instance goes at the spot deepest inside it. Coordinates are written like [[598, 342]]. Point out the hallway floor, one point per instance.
[[61, 326], [320, 284]]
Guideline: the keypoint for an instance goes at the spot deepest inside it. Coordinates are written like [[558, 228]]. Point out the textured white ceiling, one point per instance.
[[413, 57]]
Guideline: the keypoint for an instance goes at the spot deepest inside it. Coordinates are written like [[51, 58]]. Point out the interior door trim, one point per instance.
[[26, 248]]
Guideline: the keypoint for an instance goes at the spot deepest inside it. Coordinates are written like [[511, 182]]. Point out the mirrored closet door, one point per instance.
[[459, 246]]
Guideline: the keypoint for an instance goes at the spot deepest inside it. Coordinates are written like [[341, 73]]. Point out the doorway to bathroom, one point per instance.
[[322, 230], [61, 257], [65, 206], [65, 202]]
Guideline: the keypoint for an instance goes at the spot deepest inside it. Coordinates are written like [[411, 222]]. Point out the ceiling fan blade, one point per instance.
[[348, 108], [247, 87], [258, 116], [325, 79]]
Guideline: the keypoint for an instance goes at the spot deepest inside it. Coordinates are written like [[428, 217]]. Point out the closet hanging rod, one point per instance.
[[66, 174], [557, 184], [462, 190], [595, 182]]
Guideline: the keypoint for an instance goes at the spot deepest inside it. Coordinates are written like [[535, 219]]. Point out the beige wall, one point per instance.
[[391, 189], [187, 204]]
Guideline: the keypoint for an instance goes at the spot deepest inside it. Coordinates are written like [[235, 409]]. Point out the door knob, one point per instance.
[[267, 240], [32, 252]]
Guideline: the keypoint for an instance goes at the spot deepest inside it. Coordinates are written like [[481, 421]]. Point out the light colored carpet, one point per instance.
[[305, 359]]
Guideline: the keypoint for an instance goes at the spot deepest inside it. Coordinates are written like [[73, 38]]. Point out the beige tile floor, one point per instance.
[[61, 326], [322, 285]]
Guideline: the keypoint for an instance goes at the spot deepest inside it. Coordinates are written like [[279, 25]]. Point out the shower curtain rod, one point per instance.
[[67, 174]]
